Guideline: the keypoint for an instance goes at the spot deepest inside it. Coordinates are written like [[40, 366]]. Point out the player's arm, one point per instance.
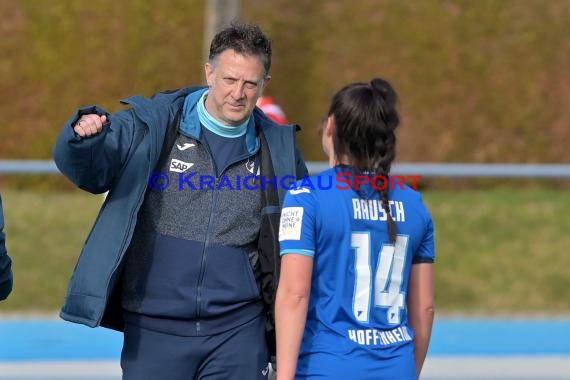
[[421, 309], [291, 311]]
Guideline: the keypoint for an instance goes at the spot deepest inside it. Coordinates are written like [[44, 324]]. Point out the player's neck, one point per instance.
[[338, 160]]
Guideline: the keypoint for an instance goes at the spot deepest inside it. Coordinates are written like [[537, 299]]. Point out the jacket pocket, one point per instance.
[[228, 283]]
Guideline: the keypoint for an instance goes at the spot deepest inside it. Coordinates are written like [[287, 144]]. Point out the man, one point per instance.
[[5, 262], [183, 255]]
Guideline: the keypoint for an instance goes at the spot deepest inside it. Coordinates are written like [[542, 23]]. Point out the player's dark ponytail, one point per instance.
[[387, 99], [365, 123]]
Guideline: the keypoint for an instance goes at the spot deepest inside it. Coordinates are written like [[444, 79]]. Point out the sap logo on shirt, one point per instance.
[[179, 166]]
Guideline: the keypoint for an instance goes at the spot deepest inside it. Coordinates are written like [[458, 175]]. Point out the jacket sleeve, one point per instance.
[[5, 262], [301, 167], [92, 163]]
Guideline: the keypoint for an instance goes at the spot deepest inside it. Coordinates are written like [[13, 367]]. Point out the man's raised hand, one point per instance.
[[90, 125]]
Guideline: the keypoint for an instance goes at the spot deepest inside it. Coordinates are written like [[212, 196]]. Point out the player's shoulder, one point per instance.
[[405, 191], [313, 183], [312, 189], [411, 197]]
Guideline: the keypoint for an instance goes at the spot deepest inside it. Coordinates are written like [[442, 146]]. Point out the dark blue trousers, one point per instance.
[[240, 354]]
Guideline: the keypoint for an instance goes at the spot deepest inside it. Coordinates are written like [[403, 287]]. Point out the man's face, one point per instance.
[[236, 82]]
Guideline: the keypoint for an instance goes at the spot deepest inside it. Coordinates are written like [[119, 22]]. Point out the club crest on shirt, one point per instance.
[[250, 166]]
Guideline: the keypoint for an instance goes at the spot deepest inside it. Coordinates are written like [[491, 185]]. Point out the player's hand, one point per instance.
[[89, 125]]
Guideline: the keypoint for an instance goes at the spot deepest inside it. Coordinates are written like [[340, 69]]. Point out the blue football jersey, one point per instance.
[[357, 325]]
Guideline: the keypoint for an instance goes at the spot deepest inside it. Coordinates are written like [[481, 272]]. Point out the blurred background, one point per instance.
[[480, 82]]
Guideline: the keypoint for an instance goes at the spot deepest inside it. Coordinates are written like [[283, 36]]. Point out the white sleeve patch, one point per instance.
[[291, 223]]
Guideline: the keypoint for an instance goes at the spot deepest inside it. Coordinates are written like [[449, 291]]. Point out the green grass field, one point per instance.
[[498, 251]]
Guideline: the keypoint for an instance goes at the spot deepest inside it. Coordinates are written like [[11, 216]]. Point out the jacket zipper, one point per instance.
[[203, 262], [207, 238]]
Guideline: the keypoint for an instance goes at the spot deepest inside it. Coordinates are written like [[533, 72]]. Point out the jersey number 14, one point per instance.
[[388, 278]]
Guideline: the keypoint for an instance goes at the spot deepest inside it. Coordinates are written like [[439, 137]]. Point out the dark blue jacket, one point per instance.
[[5, 262], [119, 160]]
